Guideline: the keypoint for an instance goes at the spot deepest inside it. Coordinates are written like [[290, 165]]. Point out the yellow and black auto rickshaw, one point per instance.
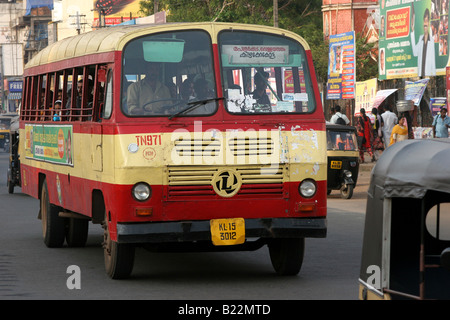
[[343, 155], [5, 123], [406, 242]]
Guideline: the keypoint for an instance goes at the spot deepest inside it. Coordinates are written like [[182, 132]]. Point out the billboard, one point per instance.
[[341, 66], [116, 11], [413, 38]]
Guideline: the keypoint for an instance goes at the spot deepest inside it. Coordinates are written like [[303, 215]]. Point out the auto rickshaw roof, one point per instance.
[[339, 127], [410, 168]]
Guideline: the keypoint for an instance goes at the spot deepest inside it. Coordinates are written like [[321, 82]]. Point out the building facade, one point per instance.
[[341, 16], [28, 26]]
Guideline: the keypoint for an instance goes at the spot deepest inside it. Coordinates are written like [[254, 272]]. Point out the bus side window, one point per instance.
[[98, 91], [107, 109]]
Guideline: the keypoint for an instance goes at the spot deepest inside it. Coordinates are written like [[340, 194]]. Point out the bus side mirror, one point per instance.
[[445, 259]]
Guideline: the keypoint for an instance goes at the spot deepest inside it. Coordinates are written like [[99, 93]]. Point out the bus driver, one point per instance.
[[144, 91]]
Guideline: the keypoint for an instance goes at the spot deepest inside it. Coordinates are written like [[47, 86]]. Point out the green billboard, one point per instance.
[[413, 38]]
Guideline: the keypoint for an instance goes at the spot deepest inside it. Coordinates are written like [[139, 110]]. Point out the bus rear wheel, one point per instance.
[[53, 226], [77, 232], [119, 257], [286, 255]]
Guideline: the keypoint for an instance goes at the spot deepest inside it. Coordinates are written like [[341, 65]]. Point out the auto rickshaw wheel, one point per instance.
[[347, 191], [286, 255]]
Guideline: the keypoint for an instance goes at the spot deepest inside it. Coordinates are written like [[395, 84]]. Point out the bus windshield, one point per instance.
[[264, 73], [169, 74]]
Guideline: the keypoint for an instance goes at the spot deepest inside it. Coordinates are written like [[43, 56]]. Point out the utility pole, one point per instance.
[[275, 13], [78, 22], [155, 6]]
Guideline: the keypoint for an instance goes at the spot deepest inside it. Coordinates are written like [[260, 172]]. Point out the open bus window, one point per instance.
[[264, 73], [169, 74]]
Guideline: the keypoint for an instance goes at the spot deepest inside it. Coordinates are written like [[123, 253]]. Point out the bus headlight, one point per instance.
[[307, 188], [141, 191]]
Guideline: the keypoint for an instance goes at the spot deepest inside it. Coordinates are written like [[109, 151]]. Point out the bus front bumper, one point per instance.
[[187, 231]]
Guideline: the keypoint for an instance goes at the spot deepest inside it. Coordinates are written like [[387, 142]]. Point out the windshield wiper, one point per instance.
[[194, 105]]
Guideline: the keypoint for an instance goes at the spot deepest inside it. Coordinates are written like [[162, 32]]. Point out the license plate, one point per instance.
[[336, 164], [226, 232]]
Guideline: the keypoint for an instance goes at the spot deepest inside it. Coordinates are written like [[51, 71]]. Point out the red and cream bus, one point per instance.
[[199, 135]]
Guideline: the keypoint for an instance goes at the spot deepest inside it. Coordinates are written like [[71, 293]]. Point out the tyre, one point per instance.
[[53, 226], [286, 255], [9, 183], [77, 232], [119, 257], [347, 191]]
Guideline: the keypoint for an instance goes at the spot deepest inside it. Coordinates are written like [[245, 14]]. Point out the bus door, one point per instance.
[[102, 110]]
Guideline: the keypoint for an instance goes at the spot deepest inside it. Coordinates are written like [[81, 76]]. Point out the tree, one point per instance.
[[366, 59]]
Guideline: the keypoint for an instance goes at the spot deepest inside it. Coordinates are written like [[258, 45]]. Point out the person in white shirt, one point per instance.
[[390, 120], [338, 115]]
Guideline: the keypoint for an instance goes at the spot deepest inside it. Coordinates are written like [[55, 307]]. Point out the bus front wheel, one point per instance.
[[119, 257], [286, 255]]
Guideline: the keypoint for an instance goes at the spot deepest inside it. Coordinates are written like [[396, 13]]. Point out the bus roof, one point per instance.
[[114, 38]]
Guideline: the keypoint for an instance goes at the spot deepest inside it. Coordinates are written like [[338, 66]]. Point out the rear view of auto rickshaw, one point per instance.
[[5, 123], [343, 165], [406, 243]]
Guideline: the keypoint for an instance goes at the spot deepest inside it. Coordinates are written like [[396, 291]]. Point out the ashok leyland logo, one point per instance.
[[226, 183]]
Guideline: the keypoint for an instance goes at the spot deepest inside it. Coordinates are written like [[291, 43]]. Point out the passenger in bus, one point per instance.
[[187, 90], [172, 89], [78, 99], [57, 112], [202, 92], [140, 94], [260, 94]]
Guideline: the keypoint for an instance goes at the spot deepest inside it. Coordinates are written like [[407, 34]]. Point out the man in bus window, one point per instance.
[[77, 99], [260, 94], [149, 93]]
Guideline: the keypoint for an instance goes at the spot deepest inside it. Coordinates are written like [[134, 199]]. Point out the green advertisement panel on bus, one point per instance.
[[50, 143], [413, 38]]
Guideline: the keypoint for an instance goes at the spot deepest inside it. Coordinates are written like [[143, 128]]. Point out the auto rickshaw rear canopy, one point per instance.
[[405, 170], [410, 179]]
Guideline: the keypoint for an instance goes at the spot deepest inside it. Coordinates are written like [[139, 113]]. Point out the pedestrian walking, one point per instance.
[[365, 133], [338, 117], [441, 123], [390, 119]]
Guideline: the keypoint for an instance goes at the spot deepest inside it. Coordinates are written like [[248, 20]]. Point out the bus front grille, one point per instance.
[[187, 182]]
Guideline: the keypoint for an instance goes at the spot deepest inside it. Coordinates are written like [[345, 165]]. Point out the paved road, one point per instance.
[[29, 270]]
